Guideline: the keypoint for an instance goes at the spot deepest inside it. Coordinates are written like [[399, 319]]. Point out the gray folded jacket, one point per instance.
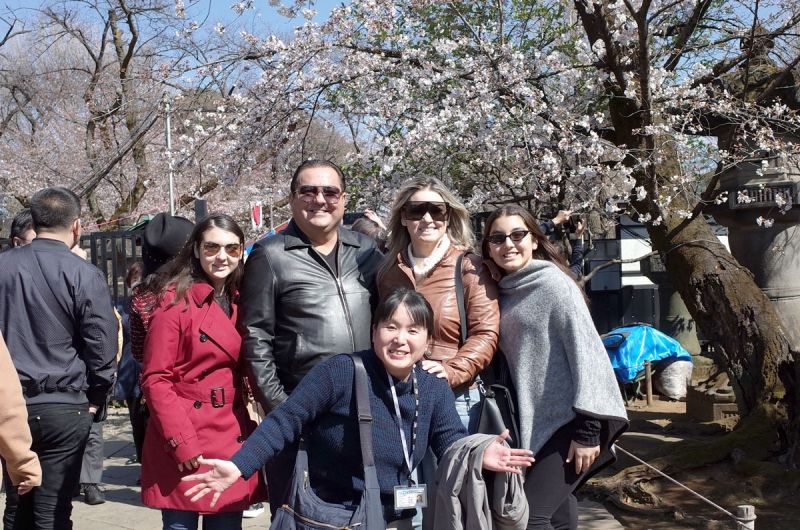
[[465, 501]]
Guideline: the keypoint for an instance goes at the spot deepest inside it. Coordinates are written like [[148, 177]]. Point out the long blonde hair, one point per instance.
[[459, 228]]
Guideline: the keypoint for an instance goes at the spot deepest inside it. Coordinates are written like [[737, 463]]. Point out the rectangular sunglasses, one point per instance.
[[211, 249], [332, 194], [416, 210]]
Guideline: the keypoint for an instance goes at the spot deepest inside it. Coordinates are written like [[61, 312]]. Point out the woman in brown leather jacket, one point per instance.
[[429, 229]]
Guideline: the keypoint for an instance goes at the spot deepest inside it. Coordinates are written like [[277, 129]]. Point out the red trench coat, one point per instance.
[[194, 394]]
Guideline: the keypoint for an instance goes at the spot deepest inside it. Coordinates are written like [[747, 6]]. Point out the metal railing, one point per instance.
[[745, 514]]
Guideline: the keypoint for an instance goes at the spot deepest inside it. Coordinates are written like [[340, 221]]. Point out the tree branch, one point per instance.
[[615, 261], [687, 30]]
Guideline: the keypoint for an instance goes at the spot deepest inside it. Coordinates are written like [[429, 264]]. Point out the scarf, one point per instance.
[[556, 358], [422, 266]]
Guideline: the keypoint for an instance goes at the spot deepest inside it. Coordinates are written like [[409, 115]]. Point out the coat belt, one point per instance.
[[218, 396]]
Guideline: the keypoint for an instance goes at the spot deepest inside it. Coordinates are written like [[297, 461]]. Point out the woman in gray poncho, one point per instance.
[[570, 408]]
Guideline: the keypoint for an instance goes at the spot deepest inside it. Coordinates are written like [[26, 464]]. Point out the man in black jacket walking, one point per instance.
[[306, 295], [59, 324]]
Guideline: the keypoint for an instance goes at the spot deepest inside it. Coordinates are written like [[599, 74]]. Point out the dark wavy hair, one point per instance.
[[185, 269], [545, 249]]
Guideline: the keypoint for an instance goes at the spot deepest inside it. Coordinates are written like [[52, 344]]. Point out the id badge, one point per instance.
[[407, 497]]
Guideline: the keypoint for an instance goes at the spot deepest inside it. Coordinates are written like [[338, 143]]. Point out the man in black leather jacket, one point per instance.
[[58, 321], [307, 294]]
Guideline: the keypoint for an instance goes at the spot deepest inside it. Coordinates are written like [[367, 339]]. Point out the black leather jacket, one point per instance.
[[295, 312]]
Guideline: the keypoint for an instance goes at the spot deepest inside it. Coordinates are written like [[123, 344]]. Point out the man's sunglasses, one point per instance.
[[416, 210], [210, 249], [516, 236], [332, 194]]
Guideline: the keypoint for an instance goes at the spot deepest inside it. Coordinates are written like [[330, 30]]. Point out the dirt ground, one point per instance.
[[654, 431]]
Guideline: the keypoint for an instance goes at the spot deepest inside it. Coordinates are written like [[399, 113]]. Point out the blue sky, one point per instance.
[[263, 16]]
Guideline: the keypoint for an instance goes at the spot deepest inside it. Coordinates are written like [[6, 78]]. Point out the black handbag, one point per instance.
[[498, 410], [304, 510]]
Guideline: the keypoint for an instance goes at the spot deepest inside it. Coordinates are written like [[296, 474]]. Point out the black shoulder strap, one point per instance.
[[46, 291], [462, 311], [364, 412]]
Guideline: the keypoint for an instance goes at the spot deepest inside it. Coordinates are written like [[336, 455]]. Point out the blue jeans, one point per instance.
[[467, 408], [183, 520]]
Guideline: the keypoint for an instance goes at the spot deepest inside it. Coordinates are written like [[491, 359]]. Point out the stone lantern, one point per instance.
[[763, 229]]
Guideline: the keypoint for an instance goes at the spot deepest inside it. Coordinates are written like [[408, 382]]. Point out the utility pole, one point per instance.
[[271, 218], [168, 114]]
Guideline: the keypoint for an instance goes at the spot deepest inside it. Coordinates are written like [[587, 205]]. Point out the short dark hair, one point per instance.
[[54, 208], [418, 308], [21, 223], [313, 163]]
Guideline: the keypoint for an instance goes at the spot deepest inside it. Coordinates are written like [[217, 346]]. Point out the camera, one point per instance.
[[571, 225]]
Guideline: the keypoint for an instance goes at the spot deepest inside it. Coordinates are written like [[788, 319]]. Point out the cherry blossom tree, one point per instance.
[[626, 106], [82, 96], [631, 106]]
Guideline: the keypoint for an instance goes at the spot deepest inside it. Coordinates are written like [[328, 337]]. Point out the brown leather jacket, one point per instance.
[[480, 299]]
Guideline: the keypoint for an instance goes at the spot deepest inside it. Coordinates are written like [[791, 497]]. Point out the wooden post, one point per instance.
[[745, 517], [648, 382]]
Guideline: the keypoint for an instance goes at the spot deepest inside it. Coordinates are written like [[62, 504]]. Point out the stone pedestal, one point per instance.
[[773, 256], [678, 324], [708, 404]]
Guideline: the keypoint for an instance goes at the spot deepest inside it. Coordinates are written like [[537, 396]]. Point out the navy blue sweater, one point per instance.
[[324, 407]]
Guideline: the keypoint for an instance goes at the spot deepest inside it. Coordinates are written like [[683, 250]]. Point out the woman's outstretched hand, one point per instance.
[[499, 457], [217, 479]]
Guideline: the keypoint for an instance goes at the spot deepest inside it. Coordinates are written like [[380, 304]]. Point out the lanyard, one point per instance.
[[407, 454]]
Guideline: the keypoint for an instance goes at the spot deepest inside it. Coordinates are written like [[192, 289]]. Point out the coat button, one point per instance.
[[240, 439], [198, 404], [203, 337]]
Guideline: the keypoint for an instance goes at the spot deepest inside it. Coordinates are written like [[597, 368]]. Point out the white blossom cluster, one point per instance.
[[511, 104], [589, 105]]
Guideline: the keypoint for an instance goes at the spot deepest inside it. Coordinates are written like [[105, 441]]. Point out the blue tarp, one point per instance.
[[630, 346]]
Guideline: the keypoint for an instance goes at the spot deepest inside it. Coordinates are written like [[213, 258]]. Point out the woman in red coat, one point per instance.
[[192, 381]]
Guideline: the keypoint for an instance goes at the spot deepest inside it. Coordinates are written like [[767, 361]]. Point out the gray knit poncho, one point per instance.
[[556, 358]]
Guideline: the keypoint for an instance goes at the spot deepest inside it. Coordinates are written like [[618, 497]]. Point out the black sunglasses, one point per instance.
[[516, 236], [416, 210], [332, 194]]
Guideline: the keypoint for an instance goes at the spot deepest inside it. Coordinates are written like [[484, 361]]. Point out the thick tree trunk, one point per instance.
[[729, 309], [735, 314], [133, 119]]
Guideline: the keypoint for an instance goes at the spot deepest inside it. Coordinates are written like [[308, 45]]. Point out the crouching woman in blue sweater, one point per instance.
[[323, 406]]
